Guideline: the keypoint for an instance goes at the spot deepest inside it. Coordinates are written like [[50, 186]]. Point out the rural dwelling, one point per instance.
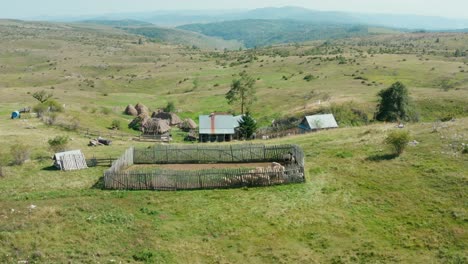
[[216, 127], [317, 122], [172, 118], [70, 160]]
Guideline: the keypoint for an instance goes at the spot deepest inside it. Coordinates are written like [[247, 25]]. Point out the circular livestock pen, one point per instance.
[[191, 167]]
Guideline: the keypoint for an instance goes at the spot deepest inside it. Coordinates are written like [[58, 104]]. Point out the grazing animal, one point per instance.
[[289, 158]]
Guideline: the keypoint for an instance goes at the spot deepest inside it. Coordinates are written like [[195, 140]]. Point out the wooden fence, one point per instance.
[[125, 161], [202, 179], [158, 179], [183, 154]]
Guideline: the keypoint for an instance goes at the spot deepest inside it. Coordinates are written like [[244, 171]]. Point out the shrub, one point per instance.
[[20, 153], [398, 140], [116, 124], [54, 106], [40, 109], [58, 143], [49, 119], [170, 107], [309, 77]]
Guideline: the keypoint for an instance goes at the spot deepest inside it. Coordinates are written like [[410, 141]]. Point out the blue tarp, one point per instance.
[[15, 115]]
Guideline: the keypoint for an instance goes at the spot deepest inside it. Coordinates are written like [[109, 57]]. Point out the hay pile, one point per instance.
[[131, 110], [142, 109], [188, 124], [139, 122], [172, 118]]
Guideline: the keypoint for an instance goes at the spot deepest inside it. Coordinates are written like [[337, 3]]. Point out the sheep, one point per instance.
[[289, 158]]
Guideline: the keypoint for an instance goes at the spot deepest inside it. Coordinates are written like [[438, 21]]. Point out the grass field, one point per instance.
[[359, 204]]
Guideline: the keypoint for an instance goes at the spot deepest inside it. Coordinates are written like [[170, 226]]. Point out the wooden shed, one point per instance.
[[317, 122], [70, 160]]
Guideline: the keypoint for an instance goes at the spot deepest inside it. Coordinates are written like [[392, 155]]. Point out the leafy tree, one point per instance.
[[247, 126], [398, 140], [394, 104], [242, 91], [58, 143], [42, 96]]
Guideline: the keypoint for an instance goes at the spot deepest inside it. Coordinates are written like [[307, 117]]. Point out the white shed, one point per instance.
[[316, 122], [70, 160]]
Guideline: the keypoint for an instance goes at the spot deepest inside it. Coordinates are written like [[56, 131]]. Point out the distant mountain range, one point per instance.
[[178, 18]]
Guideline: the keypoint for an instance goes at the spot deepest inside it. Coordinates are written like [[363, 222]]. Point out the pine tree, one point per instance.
[[247, 126]]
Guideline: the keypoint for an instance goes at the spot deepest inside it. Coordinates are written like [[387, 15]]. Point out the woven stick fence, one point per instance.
[[158, 179]]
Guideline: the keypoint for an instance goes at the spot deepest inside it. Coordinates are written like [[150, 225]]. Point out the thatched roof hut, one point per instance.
[[156, 126], [188, 124], [142, 109], [131, 110], [172, 118]]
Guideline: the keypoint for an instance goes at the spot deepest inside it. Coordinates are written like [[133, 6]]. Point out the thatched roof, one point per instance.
[[156, 126], [131, 110], [139, 121], [173, 119], [142, 109], [188, 124]]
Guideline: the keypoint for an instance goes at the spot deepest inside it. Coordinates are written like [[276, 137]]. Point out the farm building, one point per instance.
[[172, 118], [216, 127], [317, 122], [70, 160]]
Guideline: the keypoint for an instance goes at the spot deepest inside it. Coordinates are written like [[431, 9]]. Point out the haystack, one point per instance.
[[131, 110], [172, 118], [188, 124], [156, 126], [139, 122], [141, 109]]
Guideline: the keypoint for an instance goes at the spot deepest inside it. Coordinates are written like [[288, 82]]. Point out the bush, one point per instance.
[[116, 124], [20, 153], [54, 106], [170, 107], [398, 140], [309, 77], [58, 143], [40, 109]]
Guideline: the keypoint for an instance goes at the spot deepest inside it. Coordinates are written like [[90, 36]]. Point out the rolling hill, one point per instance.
[[257, 33], [184, 37]]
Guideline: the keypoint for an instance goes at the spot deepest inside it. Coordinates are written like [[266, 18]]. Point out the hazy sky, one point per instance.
[[35, 8]]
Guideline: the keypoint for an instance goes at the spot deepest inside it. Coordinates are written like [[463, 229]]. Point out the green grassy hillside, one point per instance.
[[183, 37], [359, 204]]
